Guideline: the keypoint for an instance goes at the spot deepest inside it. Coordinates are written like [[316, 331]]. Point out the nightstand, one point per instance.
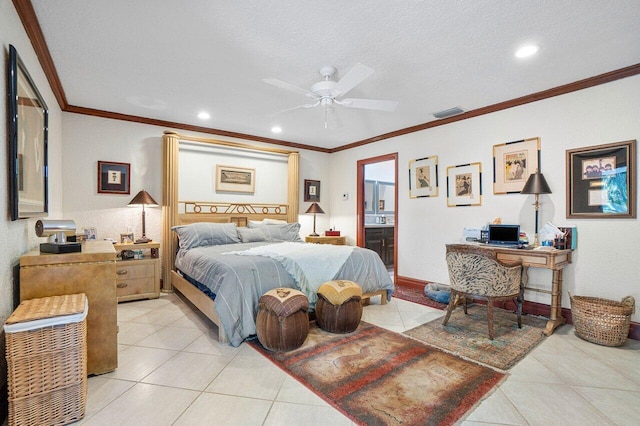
[[138, 278], [336, 241]]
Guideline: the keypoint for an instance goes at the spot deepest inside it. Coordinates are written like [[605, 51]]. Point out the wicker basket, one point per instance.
[[46, 353], [602, 321]]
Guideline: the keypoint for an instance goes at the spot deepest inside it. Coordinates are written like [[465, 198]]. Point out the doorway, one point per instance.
[[377, 208]]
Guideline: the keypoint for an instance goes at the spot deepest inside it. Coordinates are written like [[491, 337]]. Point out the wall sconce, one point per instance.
[[143, 198]]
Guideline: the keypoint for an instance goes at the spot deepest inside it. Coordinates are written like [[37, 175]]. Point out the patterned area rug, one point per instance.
[[377, 377], [416, 295], [468, 335]]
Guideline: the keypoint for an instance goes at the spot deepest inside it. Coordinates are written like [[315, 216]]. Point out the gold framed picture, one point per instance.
[[464, 185], [235, 179], [423, 177], [513, 162]]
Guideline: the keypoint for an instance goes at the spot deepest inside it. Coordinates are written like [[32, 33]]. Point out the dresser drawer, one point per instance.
[[127, 287], [134, 270]]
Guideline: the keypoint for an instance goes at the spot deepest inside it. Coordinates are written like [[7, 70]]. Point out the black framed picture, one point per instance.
[[311, 190], [601, 181], [113, 178], [28, 139]]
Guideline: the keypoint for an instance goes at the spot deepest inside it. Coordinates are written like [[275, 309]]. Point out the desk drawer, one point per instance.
[[134, 270]]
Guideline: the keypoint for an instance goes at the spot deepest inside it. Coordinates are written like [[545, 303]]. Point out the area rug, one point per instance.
[[468, 335], [378, 377], [416, 295]]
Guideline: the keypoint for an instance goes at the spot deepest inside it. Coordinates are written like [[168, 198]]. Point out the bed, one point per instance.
[[231, 302], [232, 267]]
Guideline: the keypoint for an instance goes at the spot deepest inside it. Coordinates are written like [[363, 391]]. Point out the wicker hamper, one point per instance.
[[602, 321], [46, 345]]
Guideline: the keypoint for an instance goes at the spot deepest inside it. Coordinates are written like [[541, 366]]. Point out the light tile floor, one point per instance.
[[172, 371]]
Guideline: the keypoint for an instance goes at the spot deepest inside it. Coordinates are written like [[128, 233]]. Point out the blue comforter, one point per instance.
[[238, 281]]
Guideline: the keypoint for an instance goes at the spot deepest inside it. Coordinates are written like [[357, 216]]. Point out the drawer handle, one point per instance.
[[122, 272], [122, 285]]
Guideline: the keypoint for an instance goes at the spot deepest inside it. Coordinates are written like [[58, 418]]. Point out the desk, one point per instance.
[[555, 260]]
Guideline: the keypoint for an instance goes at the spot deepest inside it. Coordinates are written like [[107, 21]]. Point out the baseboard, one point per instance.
[[531, 308]]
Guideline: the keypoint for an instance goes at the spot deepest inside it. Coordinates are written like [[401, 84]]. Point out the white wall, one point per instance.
[[606, 261], [88, 140], [18, 237], [197, 174]]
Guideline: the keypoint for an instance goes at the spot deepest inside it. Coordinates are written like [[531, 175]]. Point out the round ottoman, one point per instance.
[[339, 306], [282, 323]]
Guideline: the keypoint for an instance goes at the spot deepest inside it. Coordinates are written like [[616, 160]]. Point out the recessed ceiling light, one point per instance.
[[276, 129], [204, 115], [526, 51]]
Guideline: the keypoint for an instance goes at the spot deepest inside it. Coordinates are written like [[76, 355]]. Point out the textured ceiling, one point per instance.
[[168, 60]]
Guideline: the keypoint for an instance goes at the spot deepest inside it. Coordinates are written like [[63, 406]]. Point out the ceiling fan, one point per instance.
[[328, 92]]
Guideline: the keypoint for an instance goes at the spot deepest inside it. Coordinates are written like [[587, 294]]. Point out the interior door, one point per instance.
[[369, 193]]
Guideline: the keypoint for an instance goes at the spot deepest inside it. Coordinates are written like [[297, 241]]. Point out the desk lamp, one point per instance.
[[536, 184], [143, 198], [314, 208]]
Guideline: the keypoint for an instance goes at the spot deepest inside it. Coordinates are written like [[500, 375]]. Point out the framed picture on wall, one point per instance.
[[28, 143], [464, 185], [423, 177], [311, 190], [235, 179], [513, 162], [113, 178], [601, 181]]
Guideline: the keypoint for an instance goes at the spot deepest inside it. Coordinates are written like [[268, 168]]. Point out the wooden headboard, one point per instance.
[[238, 213]]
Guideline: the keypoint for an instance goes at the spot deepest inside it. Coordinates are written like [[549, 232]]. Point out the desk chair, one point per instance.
[[474, 271]]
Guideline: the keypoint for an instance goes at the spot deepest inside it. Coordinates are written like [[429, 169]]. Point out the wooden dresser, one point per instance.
[[335, 240], [93, 272], [138, 278]]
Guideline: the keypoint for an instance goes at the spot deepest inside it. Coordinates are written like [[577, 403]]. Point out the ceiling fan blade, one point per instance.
[[351, 79], [288, 86], [376, 104], [298, 107]]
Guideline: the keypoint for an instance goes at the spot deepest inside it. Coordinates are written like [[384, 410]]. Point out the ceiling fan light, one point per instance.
[[526, 51], [276, 129]]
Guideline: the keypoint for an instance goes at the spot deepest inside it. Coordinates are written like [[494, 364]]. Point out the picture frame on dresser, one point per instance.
[[513, 162], [601, 181], [113, 178], [28, 143], [464, 185]]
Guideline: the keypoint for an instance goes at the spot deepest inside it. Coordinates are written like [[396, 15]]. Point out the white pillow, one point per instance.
[[274, 222]]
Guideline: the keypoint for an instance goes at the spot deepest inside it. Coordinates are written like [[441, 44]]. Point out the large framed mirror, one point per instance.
[[28, 137]]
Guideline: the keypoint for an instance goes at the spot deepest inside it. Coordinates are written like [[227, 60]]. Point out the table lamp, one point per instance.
[[143, 198], [314, 208], [536, 184]]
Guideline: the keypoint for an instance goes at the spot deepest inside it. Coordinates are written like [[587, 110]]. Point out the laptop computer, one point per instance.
[[504, 235]]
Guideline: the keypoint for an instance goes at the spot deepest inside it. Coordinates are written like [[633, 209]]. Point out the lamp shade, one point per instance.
[[143, 198], [536, 184], [315, 208]]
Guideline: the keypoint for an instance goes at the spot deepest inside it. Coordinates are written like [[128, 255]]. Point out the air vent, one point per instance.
[[448, 112]]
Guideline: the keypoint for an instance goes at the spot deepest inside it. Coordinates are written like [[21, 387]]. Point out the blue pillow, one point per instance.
[[251, 235], [280, 232], [206, 234]]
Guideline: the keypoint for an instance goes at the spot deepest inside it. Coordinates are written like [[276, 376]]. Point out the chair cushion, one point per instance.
[[339, 291], [284, 301]]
